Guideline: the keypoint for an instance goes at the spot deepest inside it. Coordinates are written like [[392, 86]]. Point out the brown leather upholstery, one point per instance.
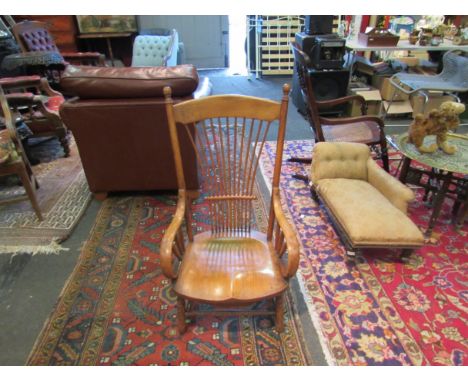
[[120, 126]]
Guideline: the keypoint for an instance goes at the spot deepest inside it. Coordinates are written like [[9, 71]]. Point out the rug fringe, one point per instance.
[[315, 320], [53, 248]]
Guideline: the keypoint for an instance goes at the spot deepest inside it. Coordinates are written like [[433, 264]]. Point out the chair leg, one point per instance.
[[28, 186], [65, 142], [406, 253], [279, 317], [385, 161], [300, 160], [302, 177], [181, 315], [100, 196]]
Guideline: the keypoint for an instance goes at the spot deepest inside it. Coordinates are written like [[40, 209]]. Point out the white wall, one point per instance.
[[205, 45]]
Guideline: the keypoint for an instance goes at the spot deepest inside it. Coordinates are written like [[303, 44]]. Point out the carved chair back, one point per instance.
[[302, 62], [228, 133]]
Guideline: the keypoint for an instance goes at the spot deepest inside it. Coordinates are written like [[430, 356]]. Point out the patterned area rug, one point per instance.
[[376, 309], [63, 197], [119, 309]]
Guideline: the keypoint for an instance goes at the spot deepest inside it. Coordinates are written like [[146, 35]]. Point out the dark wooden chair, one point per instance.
[[38, 104], [366, 129], [34, 36], [231, 264], [13, 160]]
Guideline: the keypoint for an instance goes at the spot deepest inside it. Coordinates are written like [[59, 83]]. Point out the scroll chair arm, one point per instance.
[[45, 86], [395, 191], [20, 100], [10, 83], [83, 57], [171, 243], [285, 230], [16, 100], [25, 82], [339, 101]]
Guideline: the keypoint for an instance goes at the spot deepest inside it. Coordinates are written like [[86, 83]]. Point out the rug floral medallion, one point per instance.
[[119, 309], [377, 309]]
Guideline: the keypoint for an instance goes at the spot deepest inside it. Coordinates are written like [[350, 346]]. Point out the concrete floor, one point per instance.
[[30, 285]]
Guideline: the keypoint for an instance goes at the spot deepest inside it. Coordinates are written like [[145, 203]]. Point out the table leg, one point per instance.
[[404, 169], [438, 200]]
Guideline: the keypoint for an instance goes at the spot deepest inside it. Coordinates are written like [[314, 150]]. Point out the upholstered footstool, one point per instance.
[[367, 205]]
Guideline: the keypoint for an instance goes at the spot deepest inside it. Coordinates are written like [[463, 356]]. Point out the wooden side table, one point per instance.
[[108, 37], [443, 166]]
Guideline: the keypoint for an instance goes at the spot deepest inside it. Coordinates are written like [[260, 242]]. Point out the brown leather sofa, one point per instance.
[[120, 126]]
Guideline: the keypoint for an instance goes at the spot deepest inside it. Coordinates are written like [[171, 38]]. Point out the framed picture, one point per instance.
[[106, 24]]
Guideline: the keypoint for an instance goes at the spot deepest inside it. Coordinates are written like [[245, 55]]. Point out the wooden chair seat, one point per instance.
[[357, 132], [230, 269]]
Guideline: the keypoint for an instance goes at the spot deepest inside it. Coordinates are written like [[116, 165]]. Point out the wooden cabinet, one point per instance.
[[62, 28]]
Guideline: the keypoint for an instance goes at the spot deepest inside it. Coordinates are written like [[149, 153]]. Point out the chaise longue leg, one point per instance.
[[405, 253]]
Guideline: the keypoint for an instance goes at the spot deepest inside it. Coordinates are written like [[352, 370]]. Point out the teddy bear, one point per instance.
[[438, 122]]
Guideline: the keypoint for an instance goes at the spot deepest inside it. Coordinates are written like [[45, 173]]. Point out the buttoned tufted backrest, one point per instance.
[[33, 36], [332, 160], [151, 50]]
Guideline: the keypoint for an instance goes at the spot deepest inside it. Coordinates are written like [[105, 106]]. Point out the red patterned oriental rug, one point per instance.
[[376, 309], [119, 309]]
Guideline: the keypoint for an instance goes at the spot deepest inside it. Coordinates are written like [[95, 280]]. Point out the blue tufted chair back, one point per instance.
[[149, 50]]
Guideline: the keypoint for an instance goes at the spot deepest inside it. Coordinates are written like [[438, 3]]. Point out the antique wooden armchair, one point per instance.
[[33, 36], [231, 264], [13, 160], [38, 104], [366, 129]]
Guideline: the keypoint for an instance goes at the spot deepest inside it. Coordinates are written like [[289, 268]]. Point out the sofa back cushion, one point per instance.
[[339, 160], [92, 82]]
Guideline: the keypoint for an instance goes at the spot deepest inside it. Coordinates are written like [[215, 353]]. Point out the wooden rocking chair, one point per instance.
[[231, 264]]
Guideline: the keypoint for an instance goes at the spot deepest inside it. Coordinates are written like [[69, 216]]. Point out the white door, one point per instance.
[[205, 38]]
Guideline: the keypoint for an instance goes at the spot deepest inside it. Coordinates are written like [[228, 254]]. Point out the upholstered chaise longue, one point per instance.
[[367, 205]]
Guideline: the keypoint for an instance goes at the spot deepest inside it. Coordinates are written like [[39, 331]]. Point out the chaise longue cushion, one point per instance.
[[368, 204], [366, 215]]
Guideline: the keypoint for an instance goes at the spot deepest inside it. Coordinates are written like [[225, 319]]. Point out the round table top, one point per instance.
[[41, 58], [457, 162]]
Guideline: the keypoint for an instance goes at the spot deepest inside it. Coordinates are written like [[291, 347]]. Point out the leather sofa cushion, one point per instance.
[[88, 82], [366, 215]]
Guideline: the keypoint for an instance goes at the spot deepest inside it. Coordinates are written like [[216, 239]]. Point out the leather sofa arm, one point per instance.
[[84, 57], [395, 191]]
